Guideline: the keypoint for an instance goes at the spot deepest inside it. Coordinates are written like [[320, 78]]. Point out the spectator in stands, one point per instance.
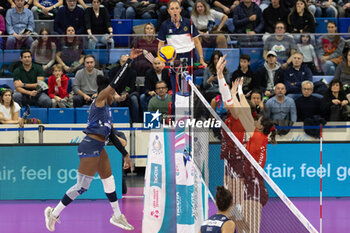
[[46, 9], [307, 105], [309, 55], [330, 48], [295, 74], [204, 19], [25, 78], [284, 45], [281, 107], [210, 79], [342, 73], [324, 8], [70, 54], [274, 13], [161, 100], [19, 24], [149, 43], [140, 9], [97, 22], [70, 15], [346, 8], [269, 74], [9, 109], [225, 6], [58, 84], [85, 86], [126, 94], [244, 70], [27, 3], [300, 19], [257, 101], [2, 29], [152, 76], [4, 6], [334, 102], [248, 18], [44, 50]]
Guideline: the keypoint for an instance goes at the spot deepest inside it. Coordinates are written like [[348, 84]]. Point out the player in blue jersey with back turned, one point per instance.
[[93, 156], [220, 222]]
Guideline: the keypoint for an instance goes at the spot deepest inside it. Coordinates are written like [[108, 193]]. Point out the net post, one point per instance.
[[321, 163]]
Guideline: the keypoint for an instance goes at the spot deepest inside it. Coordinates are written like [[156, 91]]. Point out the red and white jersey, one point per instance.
[[228, 147], [257, 146]]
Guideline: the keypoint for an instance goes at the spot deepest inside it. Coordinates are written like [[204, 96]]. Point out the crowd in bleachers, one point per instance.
[[61, 60]]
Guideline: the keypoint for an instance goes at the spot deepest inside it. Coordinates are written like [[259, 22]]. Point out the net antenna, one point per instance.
[[306, 225]]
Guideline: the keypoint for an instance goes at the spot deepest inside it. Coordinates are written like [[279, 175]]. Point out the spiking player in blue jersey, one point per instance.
[[93, 156]]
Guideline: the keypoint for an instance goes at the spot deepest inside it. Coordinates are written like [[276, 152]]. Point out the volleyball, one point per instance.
[[167, 53]]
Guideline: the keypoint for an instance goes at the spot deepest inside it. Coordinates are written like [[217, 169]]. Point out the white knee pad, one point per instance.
[[108, 184], [82, 185]]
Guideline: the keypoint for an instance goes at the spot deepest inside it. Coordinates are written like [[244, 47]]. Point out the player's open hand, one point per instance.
[[220, 66], [135, 53]]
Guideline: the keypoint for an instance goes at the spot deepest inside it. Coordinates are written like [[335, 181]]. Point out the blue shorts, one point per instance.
[[90, 147]]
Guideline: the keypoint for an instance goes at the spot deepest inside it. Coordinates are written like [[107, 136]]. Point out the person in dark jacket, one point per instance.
[[152, 76], [248, 18], [307, 105], [245, 71], [295, 75], [300, 19], [274, 13], [70, 15], [334, 101], [269, 74]]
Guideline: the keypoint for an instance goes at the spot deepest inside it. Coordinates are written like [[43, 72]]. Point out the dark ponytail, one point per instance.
[[223, 198], [102, 82], [269, 128]]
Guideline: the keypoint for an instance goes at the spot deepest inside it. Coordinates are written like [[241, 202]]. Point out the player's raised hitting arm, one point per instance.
[[224, 88], [244, 112], [110, 89]]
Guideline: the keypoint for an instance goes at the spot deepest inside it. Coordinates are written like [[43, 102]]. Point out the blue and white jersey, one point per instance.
[[179, 38], [214, 224], [99, 121]]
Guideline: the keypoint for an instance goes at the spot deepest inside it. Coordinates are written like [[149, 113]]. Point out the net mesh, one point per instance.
[[259, 204]]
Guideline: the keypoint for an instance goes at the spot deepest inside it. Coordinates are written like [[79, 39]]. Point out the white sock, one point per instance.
[[116, 209], [58, 209]]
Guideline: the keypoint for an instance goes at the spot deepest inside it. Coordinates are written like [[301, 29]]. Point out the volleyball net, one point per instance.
[[259, 204]]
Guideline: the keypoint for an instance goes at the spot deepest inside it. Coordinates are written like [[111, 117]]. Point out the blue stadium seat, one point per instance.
[[40, 23], [10, 56], [322, 24], [343, 25], [70, 85], [61, 116], [318, 78], [39, 113], [81, 115], [232, 58], [120, 115], [229, 24], [8, 82], [121, 26], [256, 57], [100, 55], [199, 80], [136, 22], [114, 54]]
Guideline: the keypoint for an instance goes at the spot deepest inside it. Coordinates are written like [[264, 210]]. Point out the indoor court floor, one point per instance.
[[92, 216]]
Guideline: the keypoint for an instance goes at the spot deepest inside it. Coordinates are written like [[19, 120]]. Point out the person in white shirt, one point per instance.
[[9, 109]]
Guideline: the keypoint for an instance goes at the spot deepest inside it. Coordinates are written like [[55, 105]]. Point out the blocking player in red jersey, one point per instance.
[[255, 191]]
